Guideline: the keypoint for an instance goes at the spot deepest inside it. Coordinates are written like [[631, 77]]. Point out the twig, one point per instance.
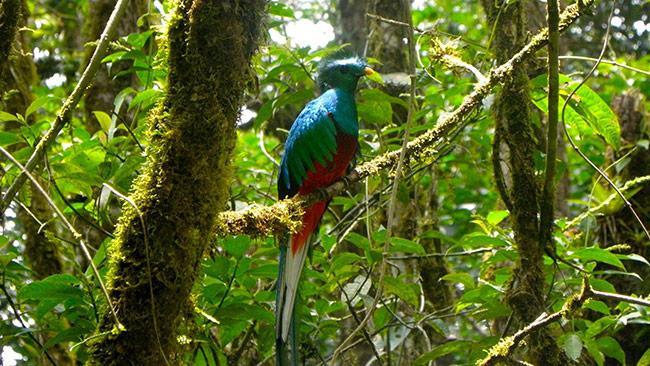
[[65, 113], [504, 348], [619, 297], [609, 62], [72, 230], [452, 254], [548, 195], [266, 220]]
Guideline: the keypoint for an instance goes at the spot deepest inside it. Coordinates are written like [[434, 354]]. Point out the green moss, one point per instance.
[[184, 182]]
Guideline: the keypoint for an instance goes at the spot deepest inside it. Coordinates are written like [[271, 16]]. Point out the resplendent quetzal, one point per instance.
[[321, 145]]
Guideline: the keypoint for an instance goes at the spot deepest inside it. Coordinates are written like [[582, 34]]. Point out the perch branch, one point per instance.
[[65, 113], [284, 215]]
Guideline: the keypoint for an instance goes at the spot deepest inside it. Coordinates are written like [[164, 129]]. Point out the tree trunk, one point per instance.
[[514, 129], [101, 94], [183, 183]]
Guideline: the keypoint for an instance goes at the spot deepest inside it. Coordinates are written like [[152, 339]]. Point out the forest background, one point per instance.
[[146, 231]]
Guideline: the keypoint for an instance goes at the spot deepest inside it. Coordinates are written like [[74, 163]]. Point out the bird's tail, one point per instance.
[[291, 261]]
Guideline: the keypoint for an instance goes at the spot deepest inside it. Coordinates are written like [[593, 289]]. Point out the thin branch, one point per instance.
[[285, 215], [548, 194], [452, 254], [619, 297], [72, 230], [65, 113], [609, 62]]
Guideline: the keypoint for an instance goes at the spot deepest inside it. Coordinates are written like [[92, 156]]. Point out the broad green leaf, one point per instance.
[[9, 138], [594, 351], [358, 241], [495, 217], [401, 245], [598, 255], [280, 9], [39, 102], [460, 277], [611, 348], [444, 349], [645, 359], [236, 246], [6, 117], [597, 114], [587, 112], [404, 290], [104, 120], [56, 287], [474, 241], [145, 98], [573, 346], [597, 305]]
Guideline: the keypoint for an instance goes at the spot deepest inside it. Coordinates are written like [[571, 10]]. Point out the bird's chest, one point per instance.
[[324, 175]]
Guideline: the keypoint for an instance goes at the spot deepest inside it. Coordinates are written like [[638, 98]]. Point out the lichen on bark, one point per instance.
[[512, 112], [184, 182]]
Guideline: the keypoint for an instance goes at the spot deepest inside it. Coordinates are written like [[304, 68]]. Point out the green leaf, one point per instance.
[[138, 40], [237, 246], [611, 348], [597, 114], [597, 305], [145, 98], [39, 102], [573, 346], [599, 255], [401, 245], [281, 10], [587, 112], [645, 359], [104, 120], [8, 138], [495, 217], [460, 277], [594, 351], [358, 241], [443, 350], [56, 287], [6, 117]]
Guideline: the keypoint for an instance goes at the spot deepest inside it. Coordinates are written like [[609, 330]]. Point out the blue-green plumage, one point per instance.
[[320, 146]]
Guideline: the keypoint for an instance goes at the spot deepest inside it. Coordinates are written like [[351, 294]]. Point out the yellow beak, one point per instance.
[[373, 75]]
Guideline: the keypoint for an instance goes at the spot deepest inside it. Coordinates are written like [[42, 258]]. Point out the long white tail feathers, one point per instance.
[[289, 286]]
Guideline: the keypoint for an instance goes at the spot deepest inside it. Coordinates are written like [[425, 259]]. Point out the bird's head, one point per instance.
[[344, 73]]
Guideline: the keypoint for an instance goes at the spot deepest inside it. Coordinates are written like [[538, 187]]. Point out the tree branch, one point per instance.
[[65, 113], [261, 221]]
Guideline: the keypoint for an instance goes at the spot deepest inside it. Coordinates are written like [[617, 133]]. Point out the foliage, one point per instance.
[[233, 315]]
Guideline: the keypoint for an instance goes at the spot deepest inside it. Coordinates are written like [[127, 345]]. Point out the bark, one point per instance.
[[184, 183], [102, 92], [514, 126]]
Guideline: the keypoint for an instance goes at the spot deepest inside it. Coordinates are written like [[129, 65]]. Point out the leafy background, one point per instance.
[[101, 150]]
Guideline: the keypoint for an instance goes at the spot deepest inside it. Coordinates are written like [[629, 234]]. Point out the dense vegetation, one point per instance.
[[148, 229]]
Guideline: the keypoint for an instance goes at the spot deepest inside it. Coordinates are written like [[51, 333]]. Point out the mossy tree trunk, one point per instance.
[[514, 130], [184, 182]]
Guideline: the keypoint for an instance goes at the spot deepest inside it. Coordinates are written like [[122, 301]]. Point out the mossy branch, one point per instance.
[[502, 351], [65, 113], [256, 221]]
